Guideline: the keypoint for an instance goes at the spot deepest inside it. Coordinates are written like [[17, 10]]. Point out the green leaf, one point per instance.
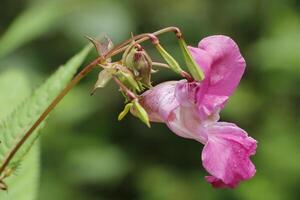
[[18, 122], [24, 184], [12, 91]]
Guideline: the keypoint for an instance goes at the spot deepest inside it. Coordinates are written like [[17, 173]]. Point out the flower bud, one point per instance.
[[125, 111], [139, 62], [169, 59], [127, 78], [138, 111]]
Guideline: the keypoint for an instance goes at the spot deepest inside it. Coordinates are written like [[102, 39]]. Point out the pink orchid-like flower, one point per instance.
[[191, 110]]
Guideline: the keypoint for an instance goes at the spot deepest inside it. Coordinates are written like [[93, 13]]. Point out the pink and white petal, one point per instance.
[[159, 101], [226, 155], [185, 122], [227, 65], [177, 126], [193, 93], [190, 93]]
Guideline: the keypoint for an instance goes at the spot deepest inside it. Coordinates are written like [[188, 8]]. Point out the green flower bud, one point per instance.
[[138, 111], [125, 111], [169, 59], [127, 78], [139, 62]]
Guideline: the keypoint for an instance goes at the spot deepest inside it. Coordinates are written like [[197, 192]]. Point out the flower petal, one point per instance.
[[211, 105], [189, 93], [159, 101], [227, 65], [220, 59], [215, 182], [226, 155]]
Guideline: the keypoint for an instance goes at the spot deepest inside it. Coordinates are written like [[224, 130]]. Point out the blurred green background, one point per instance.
[[87, 154]]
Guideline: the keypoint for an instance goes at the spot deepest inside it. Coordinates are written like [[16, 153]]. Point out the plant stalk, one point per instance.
[[116, 50]]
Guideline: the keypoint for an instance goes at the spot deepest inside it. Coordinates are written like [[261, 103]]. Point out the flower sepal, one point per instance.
[[125, 111], [193, 67], [138, 111], [104, 77], [103, 46]]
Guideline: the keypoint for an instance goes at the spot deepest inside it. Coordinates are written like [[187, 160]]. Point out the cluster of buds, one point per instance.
[[133, 72], [139, 62]]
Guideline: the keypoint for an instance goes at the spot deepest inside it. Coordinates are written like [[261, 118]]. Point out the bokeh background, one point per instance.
[[87, 154]]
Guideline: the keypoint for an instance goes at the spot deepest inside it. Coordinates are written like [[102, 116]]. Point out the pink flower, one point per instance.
[[191, 110]]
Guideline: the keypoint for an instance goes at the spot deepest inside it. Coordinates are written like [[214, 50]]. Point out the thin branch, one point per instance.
[[116, 50], [76, 79], [143, 37]]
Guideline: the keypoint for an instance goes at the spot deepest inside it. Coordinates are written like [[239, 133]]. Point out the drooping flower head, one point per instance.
[[191, 110]]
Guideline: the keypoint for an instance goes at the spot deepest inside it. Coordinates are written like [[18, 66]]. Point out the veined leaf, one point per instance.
[[23, 185], [18, 122], [12, 94]]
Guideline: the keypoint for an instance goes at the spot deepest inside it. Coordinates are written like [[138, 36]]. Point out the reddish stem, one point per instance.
[[117, 49]]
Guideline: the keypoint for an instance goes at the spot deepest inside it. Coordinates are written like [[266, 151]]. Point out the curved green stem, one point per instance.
[[159, 64]]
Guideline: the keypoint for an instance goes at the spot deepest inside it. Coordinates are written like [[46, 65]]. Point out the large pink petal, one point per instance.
[[220, 59], [227, 65], [226, 155], [159, 101]]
